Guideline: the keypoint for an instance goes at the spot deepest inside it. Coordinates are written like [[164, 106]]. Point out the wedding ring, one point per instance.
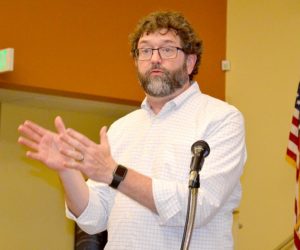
[[81, 159]]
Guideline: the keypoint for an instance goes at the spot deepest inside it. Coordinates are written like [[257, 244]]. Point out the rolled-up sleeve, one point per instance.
[[95, 216], [219, 178]]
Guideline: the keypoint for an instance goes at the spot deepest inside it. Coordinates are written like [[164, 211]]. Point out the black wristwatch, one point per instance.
[[118, 176]]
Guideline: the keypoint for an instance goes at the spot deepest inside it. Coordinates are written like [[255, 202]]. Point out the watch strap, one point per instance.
[[118, 176]]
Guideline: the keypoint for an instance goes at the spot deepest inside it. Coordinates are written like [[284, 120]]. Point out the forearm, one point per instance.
[[76, 191], [139, 188], [168, 198]]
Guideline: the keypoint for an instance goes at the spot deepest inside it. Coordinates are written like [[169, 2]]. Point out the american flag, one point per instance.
[[292, 156]]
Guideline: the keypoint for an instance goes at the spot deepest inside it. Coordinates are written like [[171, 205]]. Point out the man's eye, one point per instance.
[[146, 51]]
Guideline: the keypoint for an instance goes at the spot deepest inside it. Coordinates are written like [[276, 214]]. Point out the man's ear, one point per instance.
[[190, 62]]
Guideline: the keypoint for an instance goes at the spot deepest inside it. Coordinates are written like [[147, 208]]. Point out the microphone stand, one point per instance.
[[200, 150], [194, 184]]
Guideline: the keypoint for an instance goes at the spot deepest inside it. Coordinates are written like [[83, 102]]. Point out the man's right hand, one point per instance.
[[44, 145]]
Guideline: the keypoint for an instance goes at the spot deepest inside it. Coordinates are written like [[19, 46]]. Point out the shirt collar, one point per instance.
[[178, 100]]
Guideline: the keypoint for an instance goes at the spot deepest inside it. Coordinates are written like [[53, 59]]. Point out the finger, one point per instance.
[[103, 136], [36, 128], [79, 137], [28, 143], [73, 165], [78, 156], [59, 124], [65, 145], [34, 156], [71, 142], [27, 132]]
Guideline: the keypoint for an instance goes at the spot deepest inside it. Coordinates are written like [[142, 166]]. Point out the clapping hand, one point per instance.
[[43, 144], [68, 149]]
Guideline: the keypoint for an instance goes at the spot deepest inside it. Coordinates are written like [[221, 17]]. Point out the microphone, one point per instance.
[[200, 150]]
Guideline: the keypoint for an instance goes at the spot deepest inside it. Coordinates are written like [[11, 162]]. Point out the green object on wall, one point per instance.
[[6, 60]]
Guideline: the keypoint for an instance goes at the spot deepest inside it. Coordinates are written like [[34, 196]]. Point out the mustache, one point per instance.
[[155, 67]]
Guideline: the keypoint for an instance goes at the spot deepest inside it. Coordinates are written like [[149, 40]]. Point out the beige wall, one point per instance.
[[263, 45], [32, 204]]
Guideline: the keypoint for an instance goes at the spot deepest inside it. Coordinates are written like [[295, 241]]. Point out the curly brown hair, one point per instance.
[[169, 20]]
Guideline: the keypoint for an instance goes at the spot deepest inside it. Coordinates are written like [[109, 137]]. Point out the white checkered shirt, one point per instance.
[[159, 146]]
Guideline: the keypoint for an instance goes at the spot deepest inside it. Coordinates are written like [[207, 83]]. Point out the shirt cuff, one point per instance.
[[90, 216]]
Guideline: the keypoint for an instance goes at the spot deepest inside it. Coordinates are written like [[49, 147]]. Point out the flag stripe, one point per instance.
[[291, 155], [295, 120], [293, 148], [293, 139], [296, 240]]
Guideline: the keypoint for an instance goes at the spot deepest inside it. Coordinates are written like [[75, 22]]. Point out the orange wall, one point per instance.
[[81, 47]]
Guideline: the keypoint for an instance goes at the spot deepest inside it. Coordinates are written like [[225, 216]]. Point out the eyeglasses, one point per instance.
[[144, 54]]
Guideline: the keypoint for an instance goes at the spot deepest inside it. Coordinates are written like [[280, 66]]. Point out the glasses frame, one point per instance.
[[158, 50]]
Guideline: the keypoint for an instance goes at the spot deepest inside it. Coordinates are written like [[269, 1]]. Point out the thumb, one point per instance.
[[59, 124], [103, 136]]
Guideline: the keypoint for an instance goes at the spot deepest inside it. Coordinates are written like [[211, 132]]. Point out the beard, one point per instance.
[[165, 84]]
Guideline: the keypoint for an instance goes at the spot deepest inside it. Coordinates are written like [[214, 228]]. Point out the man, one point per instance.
[[138, 174]]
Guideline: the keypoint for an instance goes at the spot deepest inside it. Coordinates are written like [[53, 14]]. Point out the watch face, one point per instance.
[[118, 176], [121, 171]]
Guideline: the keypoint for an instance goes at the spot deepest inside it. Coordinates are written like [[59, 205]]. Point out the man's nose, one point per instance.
[[155, 56]]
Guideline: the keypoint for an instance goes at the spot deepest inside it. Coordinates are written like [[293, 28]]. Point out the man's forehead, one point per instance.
[[164, 34]]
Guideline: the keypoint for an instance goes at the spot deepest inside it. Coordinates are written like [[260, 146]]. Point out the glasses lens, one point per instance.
[[144, 54], [164, 52], [168, 52]]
